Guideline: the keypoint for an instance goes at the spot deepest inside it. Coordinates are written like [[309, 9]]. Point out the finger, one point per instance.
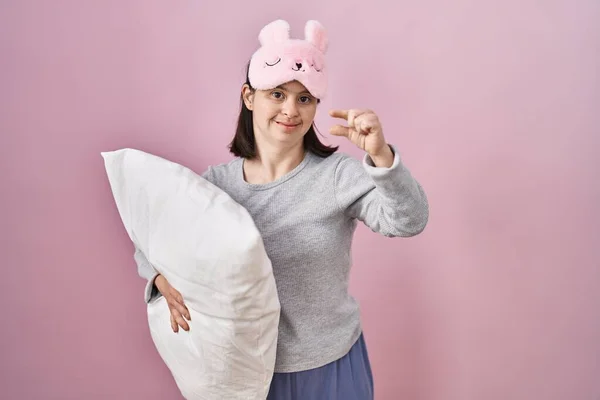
[[174, 325], [179, 320], [179, 310], [362, 124], [339, 130], [345, 114], [366, 122], [184, 311], [354, 114], [180, 304], [339, 113], [357, 124], [182, 322], [176, 307]]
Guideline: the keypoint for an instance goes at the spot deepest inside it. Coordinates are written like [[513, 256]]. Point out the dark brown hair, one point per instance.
[[243, 143]]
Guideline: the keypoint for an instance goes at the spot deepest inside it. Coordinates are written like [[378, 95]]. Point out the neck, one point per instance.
[[271, 163]]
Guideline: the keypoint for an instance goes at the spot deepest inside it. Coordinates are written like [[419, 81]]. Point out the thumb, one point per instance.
[[339, 130]]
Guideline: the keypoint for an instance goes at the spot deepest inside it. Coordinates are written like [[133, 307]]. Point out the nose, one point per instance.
[[299, 65], [290, 107]]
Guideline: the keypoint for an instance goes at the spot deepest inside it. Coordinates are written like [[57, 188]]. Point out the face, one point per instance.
[[283, 115]]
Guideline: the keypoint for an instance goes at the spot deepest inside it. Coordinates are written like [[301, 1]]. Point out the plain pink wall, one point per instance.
[[493, 105]]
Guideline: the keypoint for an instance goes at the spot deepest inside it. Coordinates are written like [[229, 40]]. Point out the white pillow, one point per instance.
[[209, 249]]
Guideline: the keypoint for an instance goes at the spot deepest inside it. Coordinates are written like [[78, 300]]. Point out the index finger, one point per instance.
[[339, 113]]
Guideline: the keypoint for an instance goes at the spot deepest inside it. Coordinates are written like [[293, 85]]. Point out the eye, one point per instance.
[[277, 95], [316, 64], [275, 63], [305, 99]]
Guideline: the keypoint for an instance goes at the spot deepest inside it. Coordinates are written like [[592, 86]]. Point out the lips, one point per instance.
[[287, 124]]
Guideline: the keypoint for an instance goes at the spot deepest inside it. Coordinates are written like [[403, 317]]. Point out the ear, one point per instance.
[[247, 96], [275, 32], [315, 33]]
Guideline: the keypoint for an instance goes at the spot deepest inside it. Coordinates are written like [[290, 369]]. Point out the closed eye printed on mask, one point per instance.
[[208, 248]]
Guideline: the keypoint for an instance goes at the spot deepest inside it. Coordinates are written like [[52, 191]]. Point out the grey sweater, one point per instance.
[[307, 220]]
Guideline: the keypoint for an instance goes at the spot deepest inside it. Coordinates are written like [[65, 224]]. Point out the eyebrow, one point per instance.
[[287, 90]]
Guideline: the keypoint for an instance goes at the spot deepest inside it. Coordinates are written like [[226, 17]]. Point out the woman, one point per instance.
[[306, 199]]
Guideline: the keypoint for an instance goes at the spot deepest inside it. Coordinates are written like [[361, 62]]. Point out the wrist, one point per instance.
[[158, 282], [383, 158]]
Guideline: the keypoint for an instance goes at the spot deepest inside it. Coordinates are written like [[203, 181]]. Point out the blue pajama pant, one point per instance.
[[349, 378]]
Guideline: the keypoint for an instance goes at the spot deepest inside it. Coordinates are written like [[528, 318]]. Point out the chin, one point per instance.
[[280, 131], [288, 138]]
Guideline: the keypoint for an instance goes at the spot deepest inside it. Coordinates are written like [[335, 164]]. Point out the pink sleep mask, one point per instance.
[[280, 59]]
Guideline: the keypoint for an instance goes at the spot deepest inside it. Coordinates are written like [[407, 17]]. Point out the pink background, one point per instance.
[[494, 106]]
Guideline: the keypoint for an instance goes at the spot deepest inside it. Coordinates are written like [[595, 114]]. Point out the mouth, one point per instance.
[[286, 125]]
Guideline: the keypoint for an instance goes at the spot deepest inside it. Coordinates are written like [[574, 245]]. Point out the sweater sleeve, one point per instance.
[[146, 270], [149, 273], [387, 200]]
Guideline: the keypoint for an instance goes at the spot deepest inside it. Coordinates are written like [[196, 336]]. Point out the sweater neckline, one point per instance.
[[276, 182]]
